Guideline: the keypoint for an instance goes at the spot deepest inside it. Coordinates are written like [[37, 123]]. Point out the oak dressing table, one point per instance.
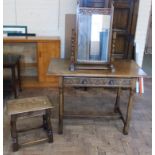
[[125, 76], [91, 63]]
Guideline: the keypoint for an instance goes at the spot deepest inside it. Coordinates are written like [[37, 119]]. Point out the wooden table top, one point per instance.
[[30, 39], [123, 68]]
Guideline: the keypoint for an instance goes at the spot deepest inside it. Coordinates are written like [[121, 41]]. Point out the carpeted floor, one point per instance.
[[88, 136]]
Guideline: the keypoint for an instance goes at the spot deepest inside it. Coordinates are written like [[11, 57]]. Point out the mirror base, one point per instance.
[[94, 67]]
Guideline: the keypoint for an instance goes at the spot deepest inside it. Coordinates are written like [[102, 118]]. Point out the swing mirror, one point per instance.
[[93, 38]]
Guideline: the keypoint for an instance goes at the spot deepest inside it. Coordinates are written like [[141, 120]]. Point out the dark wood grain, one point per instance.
[[125, 20], [26, 108], [125, 75], [12, 62]]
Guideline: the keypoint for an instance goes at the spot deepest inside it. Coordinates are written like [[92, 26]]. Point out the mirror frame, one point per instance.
[[74, 64]]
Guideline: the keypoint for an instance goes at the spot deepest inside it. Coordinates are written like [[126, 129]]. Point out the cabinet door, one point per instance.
[[46, 51], [124, 26]]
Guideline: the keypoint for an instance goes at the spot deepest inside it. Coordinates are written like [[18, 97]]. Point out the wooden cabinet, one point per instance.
[[124, 27], [46, 49]]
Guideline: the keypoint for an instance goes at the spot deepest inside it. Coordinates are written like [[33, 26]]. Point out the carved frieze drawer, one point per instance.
[[99, 82]]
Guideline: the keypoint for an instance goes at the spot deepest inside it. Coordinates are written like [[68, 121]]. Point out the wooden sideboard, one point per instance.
[[45, 49]]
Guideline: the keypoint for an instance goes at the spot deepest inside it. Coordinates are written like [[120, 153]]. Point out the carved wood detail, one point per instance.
[[90, 11], [73, 48], [99, 82]]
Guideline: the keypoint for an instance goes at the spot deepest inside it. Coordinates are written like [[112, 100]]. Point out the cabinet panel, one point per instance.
[[121, 46], [36, 54], [28, 60], [46, 51], [121, 18], [124, 25]]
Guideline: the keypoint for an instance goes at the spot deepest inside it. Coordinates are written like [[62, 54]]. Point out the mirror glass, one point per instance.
[[93, 38]]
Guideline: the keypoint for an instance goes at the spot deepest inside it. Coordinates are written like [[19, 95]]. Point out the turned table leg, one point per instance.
[[116, 107], [129, 110], [14, 134]]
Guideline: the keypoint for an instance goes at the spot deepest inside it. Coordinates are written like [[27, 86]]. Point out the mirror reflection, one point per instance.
[[93, 38]]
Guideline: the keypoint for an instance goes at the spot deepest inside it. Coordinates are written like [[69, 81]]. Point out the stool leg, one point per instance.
[[49, 126], [44, 122], [14, 134]]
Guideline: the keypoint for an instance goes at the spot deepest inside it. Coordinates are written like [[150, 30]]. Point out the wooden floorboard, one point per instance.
[[99, 136]]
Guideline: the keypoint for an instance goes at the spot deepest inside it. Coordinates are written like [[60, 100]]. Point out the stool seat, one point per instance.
[[17, 106]]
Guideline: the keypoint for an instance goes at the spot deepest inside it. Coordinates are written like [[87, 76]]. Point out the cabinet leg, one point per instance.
[[14, 81], [19, 77]]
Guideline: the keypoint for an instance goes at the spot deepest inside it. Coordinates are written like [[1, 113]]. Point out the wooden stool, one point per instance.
[[30, 107]]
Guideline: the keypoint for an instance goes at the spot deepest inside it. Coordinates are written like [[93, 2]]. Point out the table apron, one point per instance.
[[97, 82]]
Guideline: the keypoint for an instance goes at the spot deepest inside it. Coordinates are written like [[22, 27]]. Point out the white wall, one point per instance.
[[141, 30], [9, 12], [43, 17]]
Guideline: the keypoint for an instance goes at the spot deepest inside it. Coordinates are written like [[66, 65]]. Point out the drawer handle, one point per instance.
[[111, 82], [84, 81]]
